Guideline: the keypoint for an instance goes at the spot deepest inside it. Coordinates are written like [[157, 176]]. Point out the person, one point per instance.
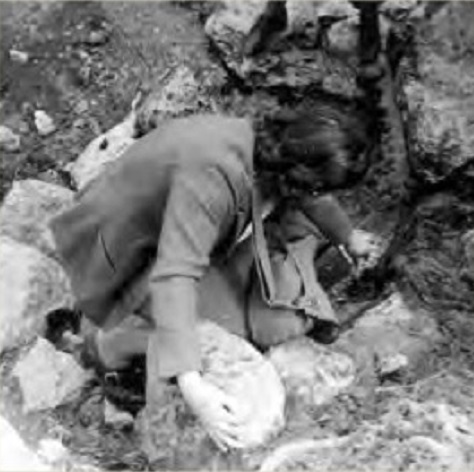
[[163, 234]]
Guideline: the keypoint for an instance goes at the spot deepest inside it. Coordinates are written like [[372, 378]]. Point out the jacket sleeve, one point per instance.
[[200, 212], [327, 214]]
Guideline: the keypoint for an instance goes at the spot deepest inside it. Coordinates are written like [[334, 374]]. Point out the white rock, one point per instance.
[[312, 373], [15, 456], [27, 209], [52, 451], [31, 284], [232, 364], [239, 369], [44, 123], [117, 418], [103, 150], [9, 140], [19, 56], [49, 378], [391, 364]]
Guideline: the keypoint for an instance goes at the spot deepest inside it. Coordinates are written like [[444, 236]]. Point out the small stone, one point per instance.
[[15, 456], [27, 209], [391, 364], [312, 374], [19, 56], [97, 38], [81, 107], [117, 418], [31, 285], [44, 123], [49, 378], [9, 140]]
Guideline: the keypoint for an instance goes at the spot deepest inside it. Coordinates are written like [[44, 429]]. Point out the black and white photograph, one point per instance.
[[236, 235]]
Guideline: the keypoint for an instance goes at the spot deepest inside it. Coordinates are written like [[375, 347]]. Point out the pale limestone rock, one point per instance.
[[9, 141], [44, 123], [31, 285], [390, 329], [232, 364], [52, 451], [312, 373], [20, 57], [27, 209], [103, 150], [117, 418], [49, 378], [293, 66], [180, 95], [15, 456], [438, 93]]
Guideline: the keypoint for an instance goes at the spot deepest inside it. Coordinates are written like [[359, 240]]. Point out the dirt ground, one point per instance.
[[87, 61]]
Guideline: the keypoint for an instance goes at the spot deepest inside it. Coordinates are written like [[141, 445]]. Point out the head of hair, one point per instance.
[[325, 139]]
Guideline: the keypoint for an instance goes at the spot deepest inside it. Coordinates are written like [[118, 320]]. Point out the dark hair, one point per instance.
[[318, 137]]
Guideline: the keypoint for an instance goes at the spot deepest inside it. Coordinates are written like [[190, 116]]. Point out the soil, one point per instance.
[[87, 60]]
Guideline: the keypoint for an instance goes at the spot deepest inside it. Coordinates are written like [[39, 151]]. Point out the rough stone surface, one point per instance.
[[61, 379], [291, 66], [468, 241], [438, 95], [182, 94], [102, 151], [390, 329], [236, 367], [410, 436], [311, 373], [31, 284], [27, 209], [15, 455], [9, 141], [44, 123], [116, 418]]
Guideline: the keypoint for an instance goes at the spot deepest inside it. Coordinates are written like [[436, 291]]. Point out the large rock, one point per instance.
[[103, 150], [27, 210], [391, 330], [181, 94], [15, 455], [438, 96], [312, 374], [49, 378], [31, 285], [292, 66], [236, 367]]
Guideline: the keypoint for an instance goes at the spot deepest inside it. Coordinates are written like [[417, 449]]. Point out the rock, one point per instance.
[[468, 242], [312, 374], [232, 364], [116, 418], [81, 107], [182, 94], [438, 92], [292, 66], [398, 9], [15, 455], [31, 285], [97, 38], [19, 56], [49, 378], [52, 451], [9, 141], [391, 329], [44, 123], [27, 209], [103, 150], [391, 364]]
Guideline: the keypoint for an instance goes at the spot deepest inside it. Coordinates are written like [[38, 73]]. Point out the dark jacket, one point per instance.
[[177, 198]]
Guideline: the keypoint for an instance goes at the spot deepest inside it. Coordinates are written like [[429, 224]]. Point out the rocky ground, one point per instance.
[[82, 80]]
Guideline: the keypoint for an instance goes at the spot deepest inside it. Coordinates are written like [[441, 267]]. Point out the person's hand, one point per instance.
[[363, 246], [219, 414]]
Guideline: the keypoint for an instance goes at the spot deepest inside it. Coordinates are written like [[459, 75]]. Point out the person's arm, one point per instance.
[[199, 212], [327, 214]]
